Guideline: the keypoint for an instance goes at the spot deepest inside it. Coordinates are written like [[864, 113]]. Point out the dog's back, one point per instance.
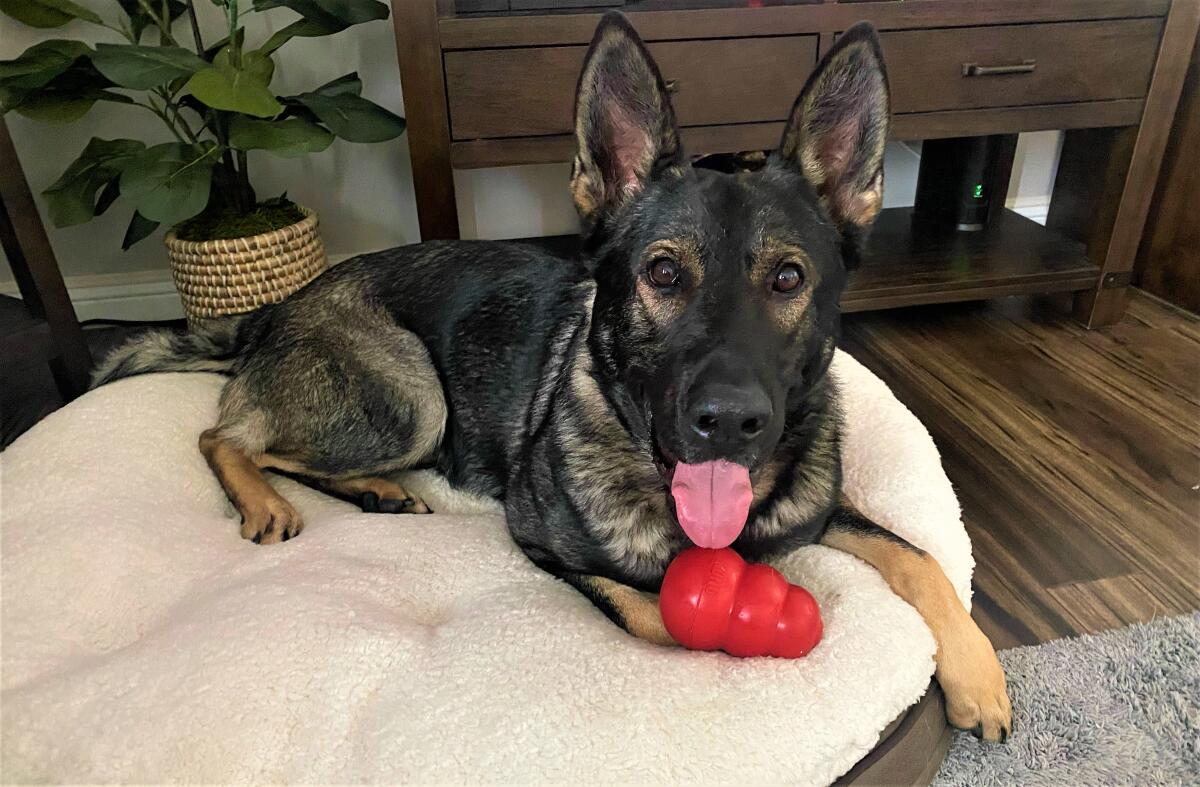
[[485, 315]]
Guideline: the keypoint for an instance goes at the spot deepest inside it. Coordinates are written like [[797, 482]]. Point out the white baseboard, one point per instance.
[[140, 295], [152, 299]]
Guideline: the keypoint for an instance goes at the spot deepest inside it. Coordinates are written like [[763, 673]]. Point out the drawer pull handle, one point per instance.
[[672, 85], [976, 70]]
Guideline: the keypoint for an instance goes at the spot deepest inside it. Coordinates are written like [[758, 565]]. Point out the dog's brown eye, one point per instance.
[[788, 277], [663, 272]]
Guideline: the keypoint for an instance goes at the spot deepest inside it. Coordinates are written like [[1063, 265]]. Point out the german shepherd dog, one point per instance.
[[671, 386]]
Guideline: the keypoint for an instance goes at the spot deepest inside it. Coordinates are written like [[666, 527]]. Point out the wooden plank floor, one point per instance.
[[1075, 453]]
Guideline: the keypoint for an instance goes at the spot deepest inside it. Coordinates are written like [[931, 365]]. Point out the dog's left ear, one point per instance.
[[625, 128], [838, 128]]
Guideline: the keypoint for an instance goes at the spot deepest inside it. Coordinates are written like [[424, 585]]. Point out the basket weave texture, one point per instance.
[[220, 277]]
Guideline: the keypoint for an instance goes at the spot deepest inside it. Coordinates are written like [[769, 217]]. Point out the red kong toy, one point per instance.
[[712, 599]]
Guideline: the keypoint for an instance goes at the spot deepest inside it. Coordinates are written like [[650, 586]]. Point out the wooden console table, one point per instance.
[[497, 88]]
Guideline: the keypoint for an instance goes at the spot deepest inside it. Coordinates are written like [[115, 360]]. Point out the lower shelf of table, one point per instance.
[[906, 264]]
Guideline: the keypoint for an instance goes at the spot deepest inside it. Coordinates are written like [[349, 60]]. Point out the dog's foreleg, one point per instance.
[[631, 609], [967, 668]]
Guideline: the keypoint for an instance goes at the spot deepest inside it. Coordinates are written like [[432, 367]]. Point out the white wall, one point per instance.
[[363, 193]]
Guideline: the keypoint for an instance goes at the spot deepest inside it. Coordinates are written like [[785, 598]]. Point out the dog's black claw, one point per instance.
[[390, 505], [286, 536], [1004, 734], [257, 538], [977, 731], [370, 502]]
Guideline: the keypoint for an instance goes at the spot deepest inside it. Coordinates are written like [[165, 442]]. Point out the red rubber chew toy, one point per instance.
[[711, 599]]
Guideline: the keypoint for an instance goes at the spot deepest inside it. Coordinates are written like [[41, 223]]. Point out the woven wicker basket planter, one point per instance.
[[220, 277]]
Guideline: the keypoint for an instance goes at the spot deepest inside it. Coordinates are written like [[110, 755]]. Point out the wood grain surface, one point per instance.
[[1075, 61], [1076, 454], [1168, 263]]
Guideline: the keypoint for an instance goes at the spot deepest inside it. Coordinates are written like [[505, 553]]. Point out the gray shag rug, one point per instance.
[[1121, 708]]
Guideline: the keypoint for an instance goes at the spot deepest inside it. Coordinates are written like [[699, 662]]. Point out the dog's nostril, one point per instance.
[[751, 427], [706, 423]]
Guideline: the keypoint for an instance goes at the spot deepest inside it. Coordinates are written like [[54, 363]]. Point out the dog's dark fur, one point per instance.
[[565, 388]]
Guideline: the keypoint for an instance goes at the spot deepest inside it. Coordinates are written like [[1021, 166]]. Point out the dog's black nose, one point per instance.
[[727, 416]]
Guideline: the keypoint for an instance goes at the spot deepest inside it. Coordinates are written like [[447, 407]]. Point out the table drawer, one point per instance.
[[531, 91], [1014, 65]]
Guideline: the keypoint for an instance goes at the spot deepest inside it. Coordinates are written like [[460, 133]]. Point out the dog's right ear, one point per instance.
[[625, 130]]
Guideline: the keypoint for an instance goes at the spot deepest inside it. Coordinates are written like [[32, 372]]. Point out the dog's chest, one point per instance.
[[614, 485]]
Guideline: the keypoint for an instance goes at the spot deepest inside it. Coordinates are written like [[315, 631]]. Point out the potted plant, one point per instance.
[[230, 252]]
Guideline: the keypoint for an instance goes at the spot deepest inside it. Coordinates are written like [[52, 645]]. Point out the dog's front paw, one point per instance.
[[270, 521], [973, 681]]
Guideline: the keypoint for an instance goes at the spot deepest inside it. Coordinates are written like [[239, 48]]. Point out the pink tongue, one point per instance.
[[712, 501]]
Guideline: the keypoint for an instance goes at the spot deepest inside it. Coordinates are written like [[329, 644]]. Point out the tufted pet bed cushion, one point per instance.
[[144, 641]]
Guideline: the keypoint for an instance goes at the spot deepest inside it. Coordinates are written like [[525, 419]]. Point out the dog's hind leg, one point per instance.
[[376, 495], [341, 398], [967, 668], [267, 518]]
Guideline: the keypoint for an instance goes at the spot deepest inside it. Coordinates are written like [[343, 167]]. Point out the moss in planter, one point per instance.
[[229, 223]]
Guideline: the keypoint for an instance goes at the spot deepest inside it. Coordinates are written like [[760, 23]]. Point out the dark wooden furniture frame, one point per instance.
[[43, 323], [494, 89]]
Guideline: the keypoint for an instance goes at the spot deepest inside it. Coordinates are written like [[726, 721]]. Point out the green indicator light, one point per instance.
[[978, 192]]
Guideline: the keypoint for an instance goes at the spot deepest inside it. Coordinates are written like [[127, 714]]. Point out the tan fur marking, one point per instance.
[[584, 191], [862, 208], [638, 610], [768, 254], [967, 668], [615, 480], [684, 251], [809, 493], [660, 307], [266, 515]]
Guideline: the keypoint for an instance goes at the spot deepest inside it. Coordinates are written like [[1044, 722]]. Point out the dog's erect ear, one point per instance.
[[625, 129], [838, 128]]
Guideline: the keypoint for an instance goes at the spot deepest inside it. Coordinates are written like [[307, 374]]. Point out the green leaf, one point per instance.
[[214, 49], [144, 67], [72, 198], [40, 63], [224, 86], [139, 227], [288, 138], [10, 98], [352, 117], [54, 109], [170, 182], [333, 15], [67, 97], [302, 28], [47, 13], [350, 83], [108, 196], [139, 20]]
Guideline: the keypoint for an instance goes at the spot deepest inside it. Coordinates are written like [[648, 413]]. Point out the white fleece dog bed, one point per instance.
[[144, 641]]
